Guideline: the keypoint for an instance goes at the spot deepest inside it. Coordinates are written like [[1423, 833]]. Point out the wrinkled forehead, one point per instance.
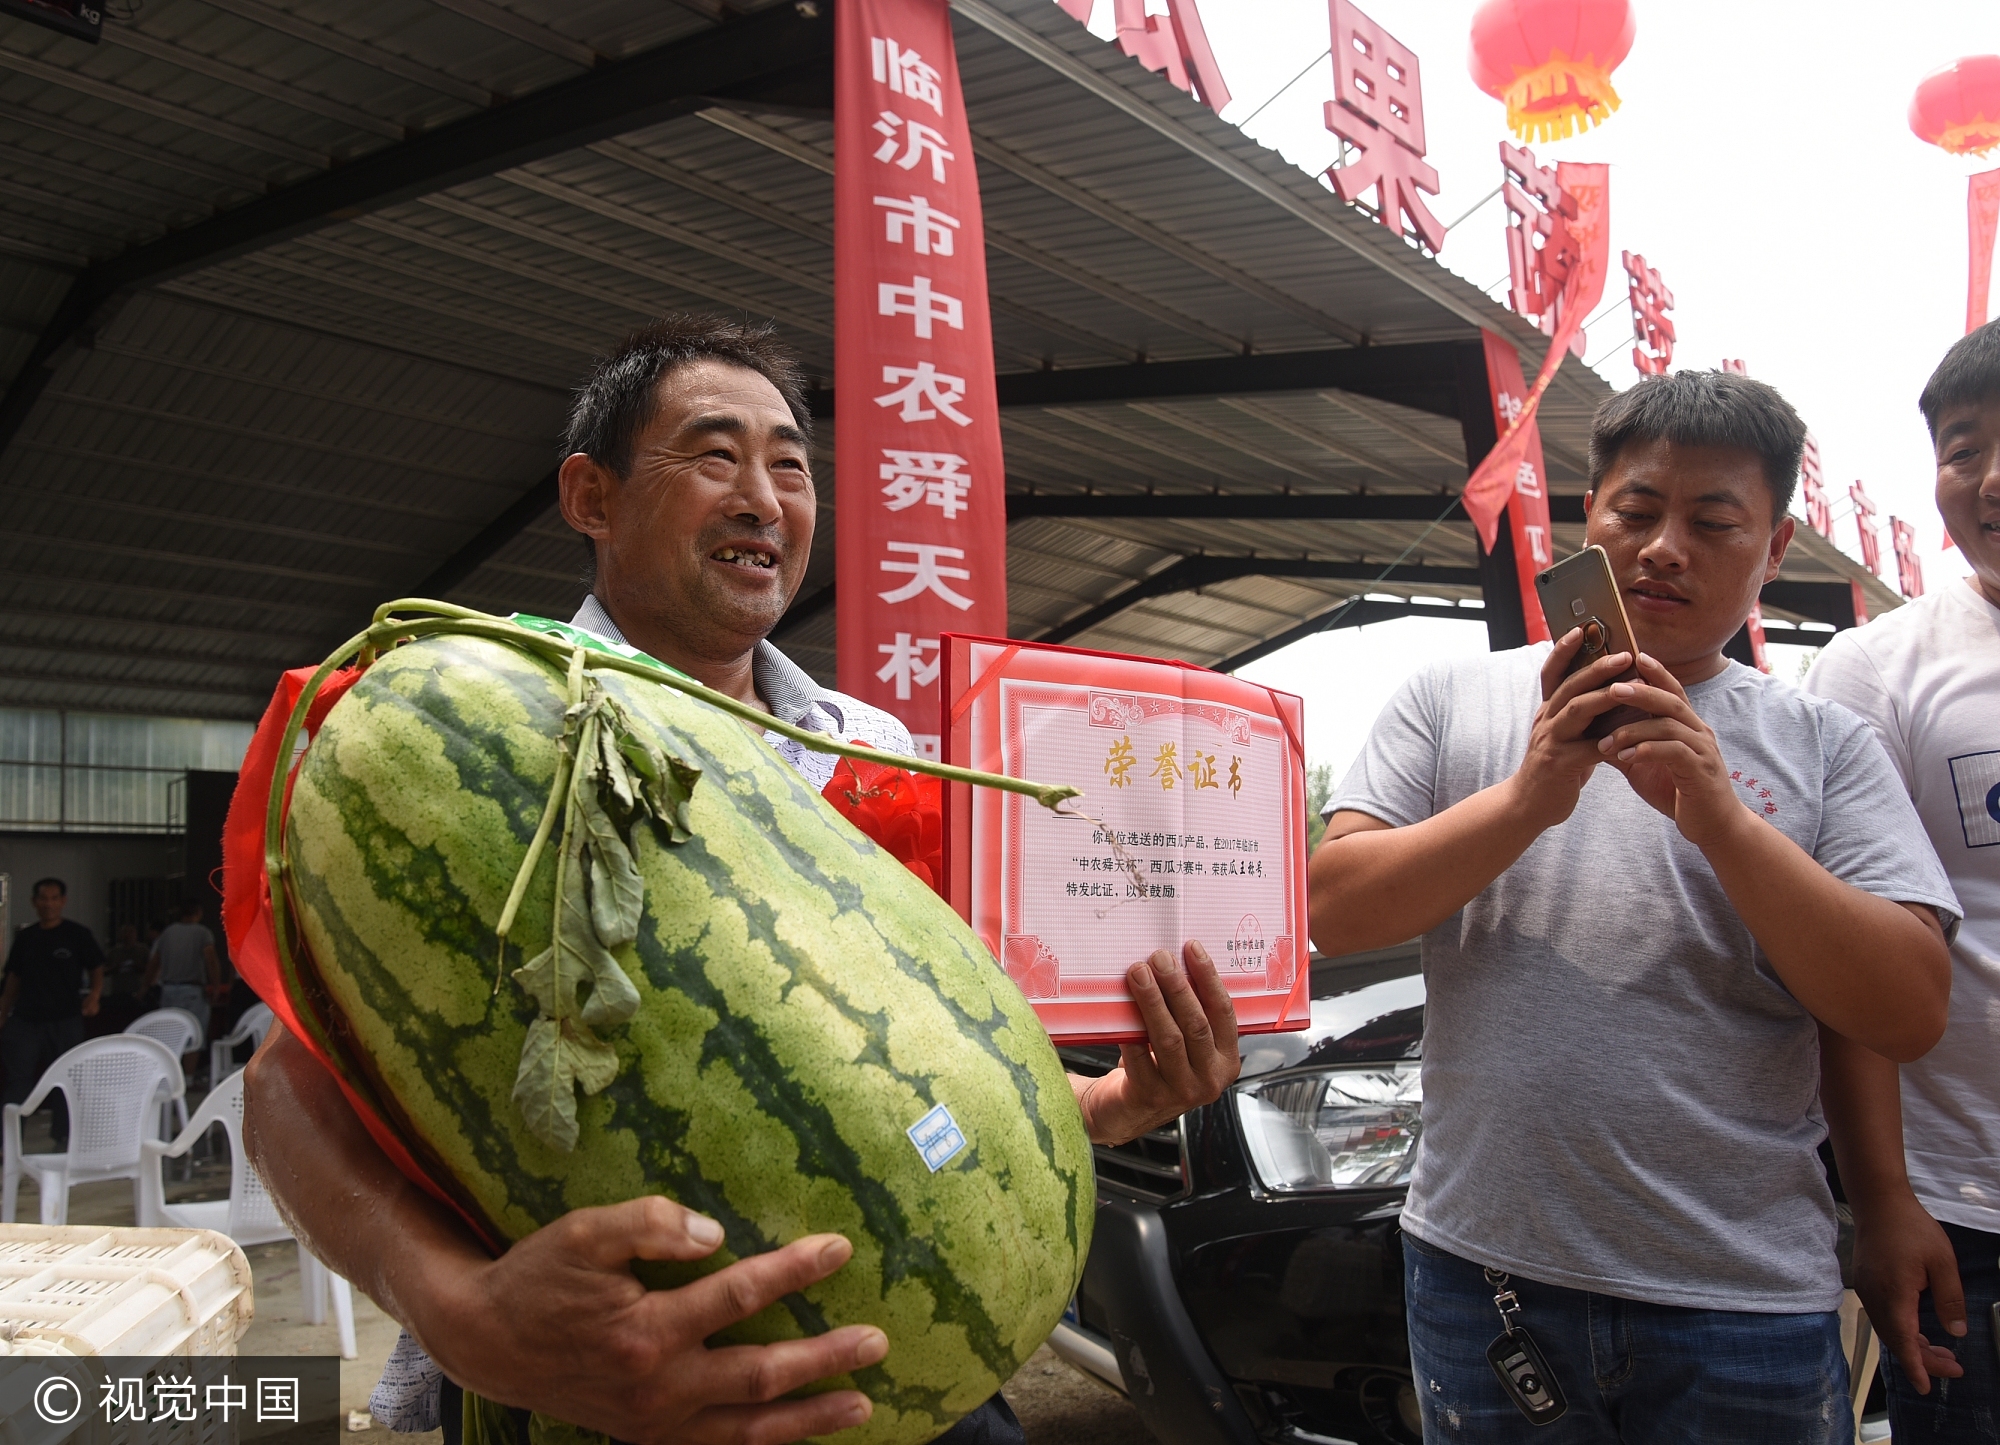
[[720, 395]]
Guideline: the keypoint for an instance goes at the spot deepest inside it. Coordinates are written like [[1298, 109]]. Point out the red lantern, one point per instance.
[[1957, 106], [1551, 61]]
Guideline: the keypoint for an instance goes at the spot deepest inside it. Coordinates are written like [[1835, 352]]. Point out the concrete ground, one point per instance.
[[1058, 1405]]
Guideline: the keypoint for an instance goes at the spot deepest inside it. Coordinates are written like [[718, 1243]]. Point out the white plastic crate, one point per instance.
[[79, 1289]]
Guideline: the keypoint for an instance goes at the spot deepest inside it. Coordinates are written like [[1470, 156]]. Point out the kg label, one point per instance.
[[937, 1137]]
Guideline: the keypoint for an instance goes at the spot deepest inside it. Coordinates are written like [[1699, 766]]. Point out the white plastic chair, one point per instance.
[[112, 1086], [247, 1216], [180, 1031], [250, 1029]]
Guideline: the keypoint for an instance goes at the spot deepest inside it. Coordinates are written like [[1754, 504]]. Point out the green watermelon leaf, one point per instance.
[[617, 895], [616, 778], [556, 1059]]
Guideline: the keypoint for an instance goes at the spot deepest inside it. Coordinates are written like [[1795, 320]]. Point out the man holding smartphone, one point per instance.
[[1927, 1147], [1636, 949]]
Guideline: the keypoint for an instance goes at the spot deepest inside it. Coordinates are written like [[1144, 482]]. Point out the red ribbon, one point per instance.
[[246, 899], [900, 811]]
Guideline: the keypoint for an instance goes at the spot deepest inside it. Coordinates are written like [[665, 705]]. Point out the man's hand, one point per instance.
[[1189, 1056], [632, 1362], [1899, 1252], [558, 1323], [1560, 759], [1673, 759]]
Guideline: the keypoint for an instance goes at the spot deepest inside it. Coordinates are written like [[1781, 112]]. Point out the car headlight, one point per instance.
[[1347, 1128]]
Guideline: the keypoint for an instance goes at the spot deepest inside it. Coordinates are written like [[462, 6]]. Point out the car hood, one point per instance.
[[1366, 1008]]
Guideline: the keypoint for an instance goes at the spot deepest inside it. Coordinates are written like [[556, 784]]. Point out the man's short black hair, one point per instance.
[[621, 394], [1968, 375], [55, 883], [1704, 409]]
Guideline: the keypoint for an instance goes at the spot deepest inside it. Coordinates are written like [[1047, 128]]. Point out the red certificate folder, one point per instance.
[[1191, 825]]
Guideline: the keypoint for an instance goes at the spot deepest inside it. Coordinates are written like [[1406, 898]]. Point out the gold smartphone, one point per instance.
[[1581, 591]]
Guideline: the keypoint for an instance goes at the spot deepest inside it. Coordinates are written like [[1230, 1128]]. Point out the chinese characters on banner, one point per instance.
[[1909, 569], [1378, 108], [1652, 328], [1982, 216], [1191, 826], [1864, 523], [1493, 482], [1528, 506], [1542, 244], [1173, 43], [922, 535], [1736, 364], [1812, 477]]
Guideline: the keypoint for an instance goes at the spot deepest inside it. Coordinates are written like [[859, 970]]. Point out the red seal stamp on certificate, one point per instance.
[[1191, 826]]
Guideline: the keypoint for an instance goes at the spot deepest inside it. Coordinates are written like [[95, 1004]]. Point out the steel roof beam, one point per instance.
[[164, 110], [614, 98], [630, 265], [484, 544], [1332, 445], [354, 118], [1421, 375], [1269, 507], [1021, 250], [1411, 268], [1191, 573], [990, 150], [102, 685], [153, 155], [1351, 612], [372, 56]]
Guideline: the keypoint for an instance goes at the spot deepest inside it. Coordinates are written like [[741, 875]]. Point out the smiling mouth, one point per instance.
[[745, 558]]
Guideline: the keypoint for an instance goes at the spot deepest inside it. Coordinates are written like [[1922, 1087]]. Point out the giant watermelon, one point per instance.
[[804, 1005]]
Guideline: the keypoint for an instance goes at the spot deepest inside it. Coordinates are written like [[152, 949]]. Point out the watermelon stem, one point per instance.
[[565, 759], [389, 629]]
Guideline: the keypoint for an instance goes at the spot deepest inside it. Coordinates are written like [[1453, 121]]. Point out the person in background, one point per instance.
[[125, 966], [1641, 951], [1922, 1173], [43, 1001], [185, 967]]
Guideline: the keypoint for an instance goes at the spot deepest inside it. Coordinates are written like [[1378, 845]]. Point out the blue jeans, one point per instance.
[[1632, 1372], [1965, 1411]]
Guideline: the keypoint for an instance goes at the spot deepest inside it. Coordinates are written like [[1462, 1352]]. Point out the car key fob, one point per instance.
[[1526, 1377]]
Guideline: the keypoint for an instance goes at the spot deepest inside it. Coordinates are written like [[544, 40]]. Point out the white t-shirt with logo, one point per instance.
[[1620, 1093], [1927, 676]]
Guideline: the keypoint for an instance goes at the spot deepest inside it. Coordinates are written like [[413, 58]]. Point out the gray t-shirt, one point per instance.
[[180, 949], [1619, 1094]]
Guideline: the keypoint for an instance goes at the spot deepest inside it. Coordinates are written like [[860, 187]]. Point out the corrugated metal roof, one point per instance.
[[226, 472]]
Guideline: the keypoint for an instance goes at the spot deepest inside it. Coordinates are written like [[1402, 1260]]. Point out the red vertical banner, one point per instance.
[[1754, 625], [919, 481], [1982, 217], [1528, 503]]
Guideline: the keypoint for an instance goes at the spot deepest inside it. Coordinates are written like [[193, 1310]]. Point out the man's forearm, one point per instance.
[[1864, 966], [1383, 886], [1861, 1094], [349, 1205]]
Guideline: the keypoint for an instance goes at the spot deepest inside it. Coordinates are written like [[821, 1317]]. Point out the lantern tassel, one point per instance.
[[1559, 98]]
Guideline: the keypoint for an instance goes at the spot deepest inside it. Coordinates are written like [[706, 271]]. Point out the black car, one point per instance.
[[1246, 1280]]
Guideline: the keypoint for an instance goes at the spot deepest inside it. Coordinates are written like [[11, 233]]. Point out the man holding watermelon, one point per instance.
[[689, 474]]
